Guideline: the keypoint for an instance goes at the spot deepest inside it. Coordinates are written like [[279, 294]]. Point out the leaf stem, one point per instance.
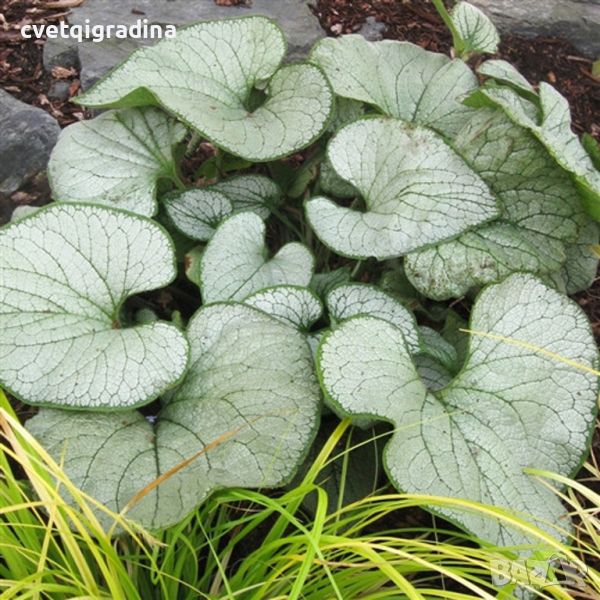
[[457, 40], [176, 179], [193, 143], [283, 218], [356, 269]]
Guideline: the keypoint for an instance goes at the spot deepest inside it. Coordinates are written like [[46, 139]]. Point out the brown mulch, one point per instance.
[[541, 59], [22, 71]]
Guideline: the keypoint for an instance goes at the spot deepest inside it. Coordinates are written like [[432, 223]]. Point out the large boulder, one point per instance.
[[27, 138], [576, 20], [301, 27]]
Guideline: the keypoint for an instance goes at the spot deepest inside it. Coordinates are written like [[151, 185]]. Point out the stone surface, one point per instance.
[[60, 53], [301, 27], [576, 20], [28, 136], [372, 30], [98, 59], [59, 90]]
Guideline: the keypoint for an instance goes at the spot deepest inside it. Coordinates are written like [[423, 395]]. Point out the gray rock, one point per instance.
[[301, 27], [28, 136], [576, 20], [61, 53], [372, 30], [59, 90]]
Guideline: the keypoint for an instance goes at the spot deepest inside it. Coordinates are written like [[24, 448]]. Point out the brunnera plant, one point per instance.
[[447, 183]]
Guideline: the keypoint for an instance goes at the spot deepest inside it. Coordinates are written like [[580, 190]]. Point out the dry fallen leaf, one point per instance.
[[21, 197], [233, 2], [63, 4], [59, 72], [74, 87]]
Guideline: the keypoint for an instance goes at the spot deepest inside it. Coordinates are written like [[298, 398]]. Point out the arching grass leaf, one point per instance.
[[64, 274], [352, 472], [400, 79], [541, 213], [477, 31], [208, 77], [235, 262], [526, 398], [245, 415], [296, 306], [115, 159], [417, 191]]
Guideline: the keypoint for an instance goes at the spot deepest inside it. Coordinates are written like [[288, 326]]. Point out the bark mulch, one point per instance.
[[22, 71]]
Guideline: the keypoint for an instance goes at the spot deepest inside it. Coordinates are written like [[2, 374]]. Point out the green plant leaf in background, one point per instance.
[[198, 212], [592, 147], [245, 415], [434, 374], [434, 345], [294, 305], [322, 283], [116, 159], [436, 361], [254, 193], [549, 119], [505, 73], [347, 301], [579, 271], [541, 213], [416, 189], [477, 31], [65, 271], [526, 398], [333, 185], [346, 112], [235, 262], [398, 78], [207, 77]]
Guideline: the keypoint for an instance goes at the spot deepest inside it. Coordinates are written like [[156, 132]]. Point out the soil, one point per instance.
[[21, 67]]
